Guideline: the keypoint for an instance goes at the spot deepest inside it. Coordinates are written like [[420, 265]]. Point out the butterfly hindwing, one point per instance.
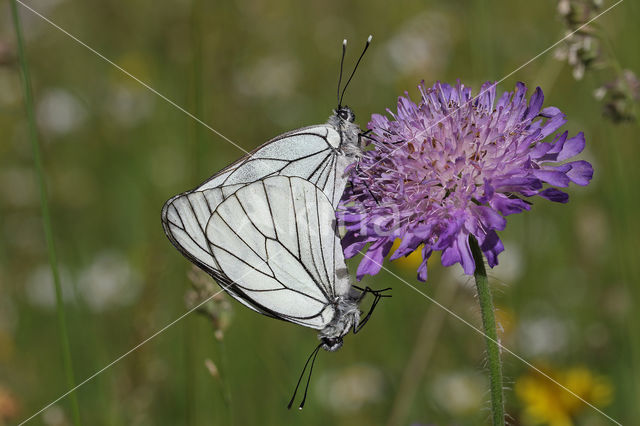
[[293, 278]]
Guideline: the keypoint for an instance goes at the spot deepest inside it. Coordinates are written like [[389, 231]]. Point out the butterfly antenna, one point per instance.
[[306, 388], [344, 51], [366, 46], [312, 355]]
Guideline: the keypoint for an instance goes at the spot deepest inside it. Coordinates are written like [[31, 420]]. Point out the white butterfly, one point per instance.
[[317, 154]]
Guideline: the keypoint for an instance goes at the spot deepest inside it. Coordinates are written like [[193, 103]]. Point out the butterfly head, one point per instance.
[[342, 120], [331, 344], [345, 114]]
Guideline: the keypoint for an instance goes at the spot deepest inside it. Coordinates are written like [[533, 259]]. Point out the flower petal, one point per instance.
[[554, 194], [572, 147], [491, 247], [552, 177], [466, 258], [507, 206], [371, 263], [581, 172], [553, 124], [490, 218], [549, 112], [535, 103], [422, 269], [411, 240]]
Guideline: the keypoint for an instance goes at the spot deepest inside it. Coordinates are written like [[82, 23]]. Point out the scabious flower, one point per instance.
[[452, 166]]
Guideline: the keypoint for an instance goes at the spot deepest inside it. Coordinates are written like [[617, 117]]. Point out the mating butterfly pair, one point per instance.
[[264, 228]]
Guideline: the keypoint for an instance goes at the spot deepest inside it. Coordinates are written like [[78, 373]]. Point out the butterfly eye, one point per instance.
[[345, 115]]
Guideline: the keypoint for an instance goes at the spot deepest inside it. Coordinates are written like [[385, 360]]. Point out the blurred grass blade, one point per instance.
[[46, 217], [195, 136], [426, 341]]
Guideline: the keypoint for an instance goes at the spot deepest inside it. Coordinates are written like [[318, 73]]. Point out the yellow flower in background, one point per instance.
[[547, 403]]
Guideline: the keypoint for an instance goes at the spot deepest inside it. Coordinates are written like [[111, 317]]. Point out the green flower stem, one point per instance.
[[46, 217], [491, 335]]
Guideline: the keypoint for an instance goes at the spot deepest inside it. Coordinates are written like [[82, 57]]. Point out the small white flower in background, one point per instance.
[[33, 26], [460, 392], [347, 390], [40, 290], [422, 45], [542, 336], [59, 112], [109, 282], [456, 274], [511, 265], [581, 50], [55, 416], [129, 106]]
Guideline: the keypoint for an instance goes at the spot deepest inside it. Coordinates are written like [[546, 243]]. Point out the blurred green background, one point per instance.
[[567, 287]]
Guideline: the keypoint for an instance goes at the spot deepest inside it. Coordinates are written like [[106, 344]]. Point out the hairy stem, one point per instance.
[[46, 216], [491, 335]]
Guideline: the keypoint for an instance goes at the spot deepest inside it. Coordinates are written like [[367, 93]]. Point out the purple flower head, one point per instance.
[[453, 166]]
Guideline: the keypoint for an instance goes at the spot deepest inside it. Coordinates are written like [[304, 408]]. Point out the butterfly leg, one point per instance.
[[358, 170], [365, 134], [378, 294]]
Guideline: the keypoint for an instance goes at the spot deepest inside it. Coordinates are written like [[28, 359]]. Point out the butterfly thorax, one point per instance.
[[346, 317], [343, 121]]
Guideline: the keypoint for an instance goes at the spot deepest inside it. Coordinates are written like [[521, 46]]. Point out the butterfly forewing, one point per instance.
[[300, 153]]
